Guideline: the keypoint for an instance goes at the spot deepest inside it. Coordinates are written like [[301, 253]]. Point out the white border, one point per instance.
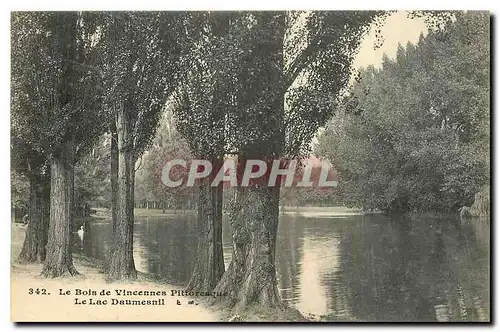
[[184, 5]]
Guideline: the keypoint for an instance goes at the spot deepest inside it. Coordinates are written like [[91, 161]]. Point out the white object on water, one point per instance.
[[80, 233]]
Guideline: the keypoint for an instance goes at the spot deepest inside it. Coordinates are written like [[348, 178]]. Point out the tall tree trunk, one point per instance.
[[122, 260], [251, 276], [114, 178], [59, 260], [114, 188], [209, 266], [34, 250], [130, 211]]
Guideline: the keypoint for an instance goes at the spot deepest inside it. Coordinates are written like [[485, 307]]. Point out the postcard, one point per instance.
[[250, 166]]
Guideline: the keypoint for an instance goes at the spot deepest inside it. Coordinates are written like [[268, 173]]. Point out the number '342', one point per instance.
[[37, 291]]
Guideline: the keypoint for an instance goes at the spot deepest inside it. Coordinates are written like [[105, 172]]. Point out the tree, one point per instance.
[[34, 167], [167, 145], [414, 135], [92, 177], [19, 192], [200, 107], [274, 117], [28, 157], [296, 195], [55, 110], [138, 62]]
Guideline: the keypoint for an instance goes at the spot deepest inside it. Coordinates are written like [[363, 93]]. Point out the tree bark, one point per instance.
[[209, 266], [122, 260], [34, 250], [114, 188], [130, 212], [114, 178], [59, 260], [251, 276]]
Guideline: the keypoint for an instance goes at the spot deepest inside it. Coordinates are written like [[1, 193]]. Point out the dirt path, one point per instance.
[[26, 307]]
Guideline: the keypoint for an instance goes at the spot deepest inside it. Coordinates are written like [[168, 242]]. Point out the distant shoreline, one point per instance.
[[305, 211]]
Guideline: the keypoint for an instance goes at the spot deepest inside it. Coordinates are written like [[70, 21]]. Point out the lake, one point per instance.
[[349, 268]]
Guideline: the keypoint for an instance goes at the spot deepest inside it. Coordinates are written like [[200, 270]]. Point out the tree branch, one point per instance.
[[300, 62], [140, 164]]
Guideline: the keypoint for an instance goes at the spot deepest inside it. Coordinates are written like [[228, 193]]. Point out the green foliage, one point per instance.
[[19, 191], [263, 82], [202, 99], [53, 91], [166, 145], [55, 94], [414, 135], [316, 72], [138, 55], [92, 178]]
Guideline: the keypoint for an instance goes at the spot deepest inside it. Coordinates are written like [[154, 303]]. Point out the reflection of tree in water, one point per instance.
[[401, 269], [410, 270], [308, 256], [338, 300], [140, 250], [473, 293], [288, 256], [97, 240], [171, 247], [462, 278]]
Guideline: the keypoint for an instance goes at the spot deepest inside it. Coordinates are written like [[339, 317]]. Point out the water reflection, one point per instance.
[[169, 247], [368, 268]]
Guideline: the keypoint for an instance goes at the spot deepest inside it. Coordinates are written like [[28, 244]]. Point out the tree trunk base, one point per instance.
[[33, 251], [30, 256], [251, 276], [59, 271], [35, 240], [62, 266], [246, 287], [120, 267], [209, 266]]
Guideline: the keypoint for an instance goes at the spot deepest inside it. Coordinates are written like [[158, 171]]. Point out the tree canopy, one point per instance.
[[414, 134]]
